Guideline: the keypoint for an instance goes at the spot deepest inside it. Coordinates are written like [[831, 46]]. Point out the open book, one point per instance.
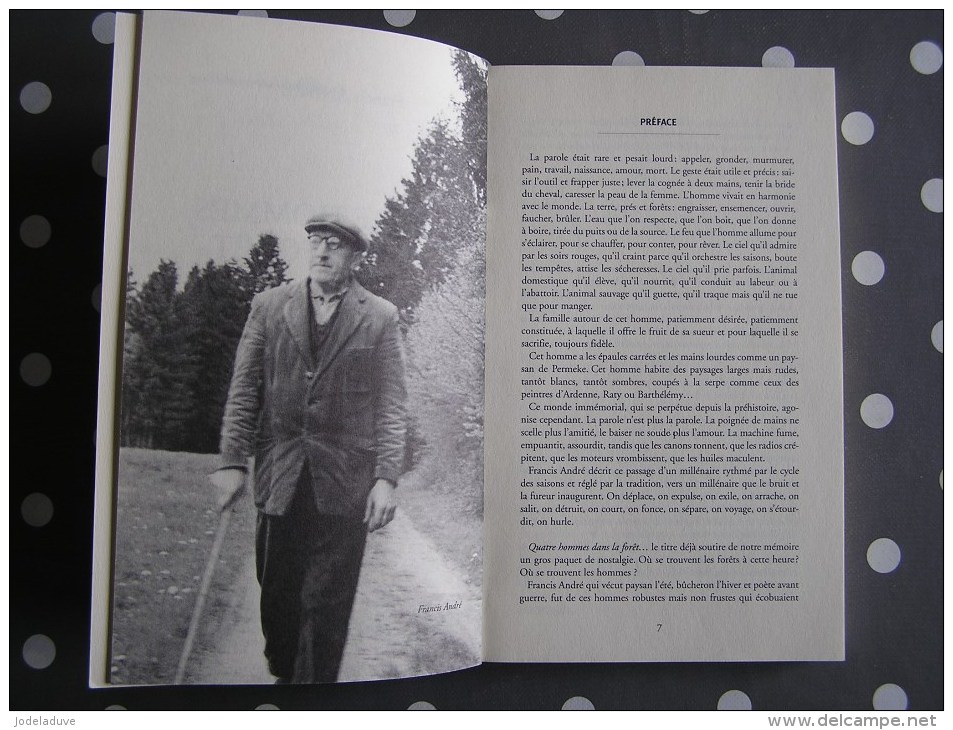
[[638, 267]]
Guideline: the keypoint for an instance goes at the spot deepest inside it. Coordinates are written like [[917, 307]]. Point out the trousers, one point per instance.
[[308, 566]]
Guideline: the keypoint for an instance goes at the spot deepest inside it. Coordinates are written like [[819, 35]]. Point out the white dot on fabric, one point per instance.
[[932, 195], [578, 703], [857, 128], [926, 57], [254, 14], [399, 18], [734, 699], [876, 410], [97, 297], [698, 12], [421, 706], [35, 369], [267, 706], [36, 509], [941, 479], [890, 697], [883, 555], [36, 97], [100, 160], [777, 57], [628, 58], [867, 268], [104, 28], [35, 231], [39, 651], [549, 14], [936, 336], [115, 707]]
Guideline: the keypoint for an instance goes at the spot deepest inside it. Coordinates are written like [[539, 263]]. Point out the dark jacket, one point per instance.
[[342, 414]]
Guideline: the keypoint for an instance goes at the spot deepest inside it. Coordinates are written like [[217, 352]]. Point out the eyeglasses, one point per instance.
[[332, 241]]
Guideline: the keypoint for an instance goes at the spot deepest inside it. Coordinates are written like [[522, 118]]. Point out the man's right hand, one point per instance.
[[230, 484]]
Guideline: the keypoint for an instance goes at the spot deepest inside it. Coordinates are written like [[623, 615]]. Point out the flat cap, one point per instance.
[[339, 225]]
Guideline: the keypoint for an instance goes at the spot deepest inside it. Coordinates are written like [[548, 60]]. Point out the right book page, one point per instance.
[[664, 426]]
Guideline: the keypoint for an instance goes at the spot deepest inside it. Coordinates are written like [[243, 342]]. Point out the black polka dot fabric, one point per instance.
[[889, 83]]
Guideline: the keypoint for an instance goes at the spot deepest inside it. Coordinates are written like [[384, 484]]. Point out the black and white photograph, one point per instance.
[[298, 486]]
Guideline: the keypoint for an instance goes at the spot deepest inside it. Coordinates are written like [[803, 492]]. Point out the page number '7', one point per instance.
[[658, 627]]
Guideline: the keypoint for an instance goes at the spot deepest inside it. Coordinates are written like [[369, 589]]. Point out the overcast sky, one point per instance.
[[249, 125]]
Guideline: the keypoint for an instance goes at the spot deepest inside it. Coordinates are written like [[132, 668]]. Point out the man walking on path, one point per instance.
[[317, 398]]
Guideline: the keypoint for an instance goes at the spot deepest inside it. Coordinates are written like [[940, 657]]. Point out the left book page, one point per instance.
[[293, 309]]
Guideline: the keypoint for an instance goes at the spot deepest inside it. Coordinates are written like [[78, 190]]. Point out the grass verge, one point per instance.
[[165, 525]]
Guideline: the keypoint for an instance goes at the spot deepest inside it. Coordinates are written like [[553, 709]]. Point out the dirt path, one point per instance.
[[391, 633]]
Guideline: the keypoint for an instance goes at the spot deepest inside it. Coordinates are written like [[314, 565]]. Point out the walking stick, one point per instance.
[[203, 593]]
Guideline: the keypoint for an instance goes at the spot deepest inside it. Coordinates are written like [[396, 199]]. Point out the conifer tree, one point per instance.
[[159, 369], [212, 310], [264, 265], [179, 347], [417, 237]]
